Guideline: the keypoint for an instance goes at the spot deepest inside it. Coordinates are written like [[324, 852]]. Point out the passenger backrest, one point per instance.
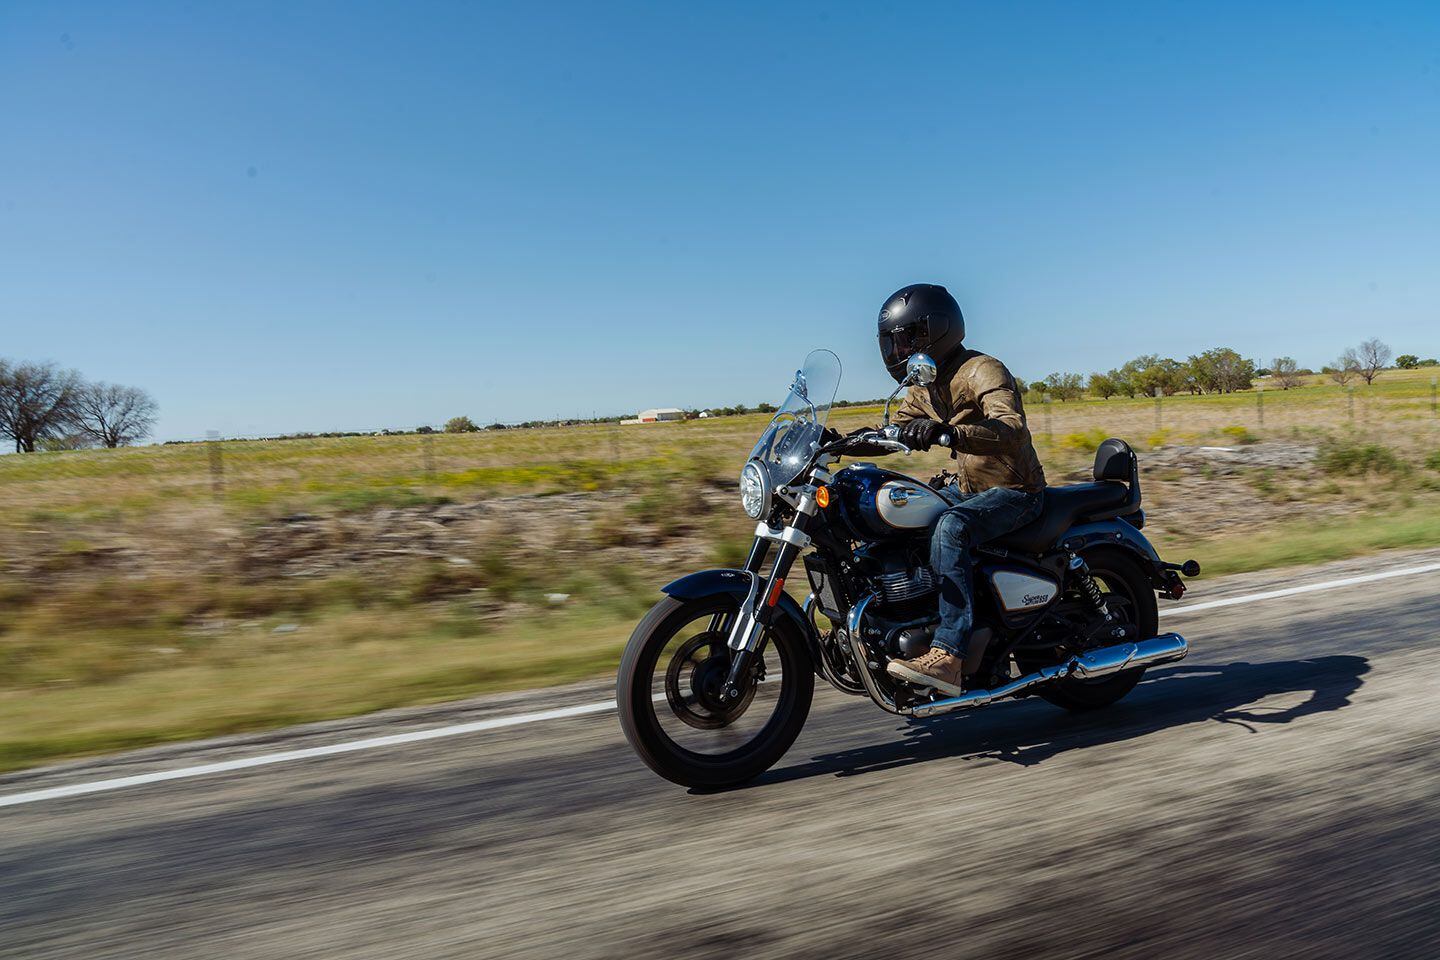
[[1112, 460]]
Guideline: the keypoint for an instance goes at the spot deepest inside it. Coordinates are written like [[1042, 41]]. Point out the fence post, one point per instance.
[[1045, 401], [427, 445], [1260, 402], [1157, 409], [1434, 382], [217, 463], [1350, 392]]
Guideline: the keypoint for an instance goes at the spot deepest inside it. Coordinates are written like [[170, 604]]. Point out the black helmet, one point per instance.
[[920, 318]]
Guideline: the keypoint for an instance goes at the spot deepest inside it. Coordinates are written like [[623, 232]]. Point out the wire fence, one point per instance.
[[355, 471]]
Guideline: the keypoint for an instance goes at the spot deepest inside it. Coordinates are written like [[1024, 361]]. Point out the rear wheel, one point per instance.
[[1129, 596], [668, 693]]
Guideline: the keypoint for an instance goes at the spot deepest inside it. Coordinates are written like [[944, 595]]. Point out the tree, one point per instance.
[[1374, 357], [111, 415], [1148, 373], [1221, 370], [36, 402], [460, 425], [1102, 385], [1407, 361], [1124, 379], [1064, 386], [1345, 368], [1286, 372]]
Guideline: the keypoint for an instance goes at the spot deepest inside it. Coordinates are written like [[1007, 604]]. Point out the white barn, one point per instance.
[[658, 415]]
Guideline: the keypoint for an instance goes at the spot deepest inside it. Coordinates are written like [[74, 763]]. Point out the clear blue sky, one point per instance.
[[285, 216]]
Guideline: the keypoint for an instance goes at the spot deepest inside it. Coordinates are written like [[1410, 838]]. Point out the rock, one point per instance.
[[555, 599], [286, 628]]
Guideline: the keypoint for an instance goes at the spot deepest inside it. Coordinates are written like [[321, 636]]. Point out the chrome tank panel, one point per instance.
[[1021, 592], [909, 505]]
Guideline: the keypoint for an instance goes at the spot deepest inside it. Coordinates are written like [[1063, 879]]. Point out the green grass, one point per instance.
[[1304, 542]]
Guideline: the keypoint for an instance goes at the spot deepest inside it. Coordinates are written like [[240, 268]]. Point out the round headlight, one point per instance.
[[754, 491]]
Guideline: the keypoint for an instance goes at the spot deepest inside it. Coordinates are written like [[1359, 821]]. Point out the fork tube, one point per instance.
[[759, 550]]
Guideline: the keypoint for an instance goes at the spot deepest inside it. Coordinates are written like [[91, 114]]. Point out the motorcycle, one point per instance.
[[716, 681]]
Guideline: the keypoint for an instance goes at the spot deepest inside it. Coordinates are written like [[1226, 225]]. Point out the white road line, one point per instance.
[[306, 753], [1303, 588], [560, 713]]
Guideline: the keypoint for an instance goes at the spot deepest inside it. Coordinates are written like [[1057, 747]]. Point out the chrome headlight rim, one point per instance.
[[755, 492]]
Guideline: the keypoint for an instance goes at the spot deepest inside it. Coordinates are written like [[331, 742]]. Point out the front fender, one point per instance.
[[736, 583]]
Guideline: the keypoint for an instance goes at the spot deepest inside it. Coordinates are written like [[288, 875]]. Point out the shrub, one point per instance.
[[1433, 461], [1088, 440], [1349, 458], [1239, 434], [1157, 439]]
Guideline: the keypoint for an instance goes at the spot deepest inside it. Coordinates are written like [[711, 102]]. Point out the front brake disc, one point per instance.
[[694, 679]]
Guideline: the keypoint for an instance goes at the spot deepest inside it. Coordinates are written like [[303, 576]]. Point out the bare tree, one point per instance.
[[1345, 368], [113, 415], [1286, 372], [36, 402], [1374, 357]]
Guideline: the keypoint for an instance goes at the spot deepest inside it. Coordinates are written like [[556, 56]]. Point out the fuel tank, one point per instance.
[[882, 504]]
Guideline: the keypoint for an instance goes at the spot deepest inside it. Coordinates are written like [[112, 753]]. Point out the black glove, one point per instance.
[[921, 434]]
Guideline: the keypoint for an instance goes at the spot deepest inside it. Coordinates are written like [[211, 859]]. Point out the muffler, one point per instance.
[[1100, 662]]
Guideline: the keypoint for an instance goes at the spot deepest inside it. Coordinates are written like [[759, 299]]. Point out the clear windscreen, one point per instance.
[[794, 433]]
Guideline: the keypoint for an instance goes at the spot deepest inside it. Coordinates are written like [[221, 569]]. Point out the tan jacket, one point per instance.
[[977, 396]]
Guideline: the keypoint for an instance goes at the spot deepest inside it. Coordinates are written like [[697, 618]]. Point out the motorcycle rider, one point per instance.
[[1000, 483]]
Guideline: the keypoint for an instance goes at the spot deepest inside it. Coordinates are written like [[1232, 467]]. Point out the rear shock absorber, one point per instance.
[[1081, 571]]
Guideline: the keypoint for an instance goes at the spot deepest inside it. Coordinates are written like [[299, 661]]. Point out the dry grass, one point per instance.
[[117, 628]]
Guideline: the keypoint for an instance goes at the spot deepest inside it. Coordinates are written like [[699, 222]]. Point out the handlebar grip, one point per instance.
[[945, 439]]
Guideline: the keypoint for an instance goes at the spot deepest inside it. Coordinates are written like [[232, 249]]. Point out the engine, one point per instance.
[[911, 583]]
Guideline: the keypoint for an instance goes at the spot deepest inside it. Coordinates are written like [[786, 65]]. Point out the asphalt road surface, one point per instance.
[[1276, 794]]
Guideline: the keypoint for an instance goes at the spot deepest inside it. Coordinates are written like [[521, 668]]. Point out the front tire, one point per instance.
[[667, 675]]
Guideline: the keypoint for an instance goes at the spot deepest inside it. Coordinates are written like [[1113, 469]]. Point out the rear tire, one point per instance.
[[1120, 574], [641, 711]]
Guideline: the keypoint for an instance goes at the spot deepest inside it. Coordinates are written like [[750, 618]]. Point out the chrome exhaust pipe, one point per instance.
[[1101, 662]]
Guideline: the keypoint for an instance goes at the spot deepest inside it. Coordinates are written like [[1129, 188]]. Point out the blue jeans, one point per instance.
[[978, 517]]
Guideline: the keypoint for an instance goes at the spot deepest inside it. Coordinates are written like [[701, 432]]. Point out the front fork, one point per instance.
[[758, 609]]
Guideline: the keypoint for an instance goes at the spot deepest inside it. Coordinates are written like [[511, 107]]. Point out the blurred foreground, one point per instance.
[[1276, 793]]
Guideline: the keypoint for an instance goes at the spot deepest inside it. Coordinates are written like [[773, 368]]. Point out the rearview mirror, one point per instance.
[[920, 370]]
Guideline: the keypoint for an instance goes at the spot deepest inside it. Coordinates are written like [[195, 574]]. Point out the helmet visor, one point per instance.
[[899, 344]]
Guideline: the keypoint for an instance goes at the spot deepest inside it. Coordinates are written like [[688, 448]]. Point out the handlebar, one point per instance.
[[889, 438]]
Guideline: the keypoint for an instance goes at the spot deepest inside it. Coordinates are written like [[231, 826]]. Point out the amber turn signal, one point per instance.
[[822, 497]]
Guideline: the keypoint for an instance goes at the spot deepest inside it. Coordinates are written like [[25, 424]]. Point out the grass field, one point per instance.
[[155, 593]]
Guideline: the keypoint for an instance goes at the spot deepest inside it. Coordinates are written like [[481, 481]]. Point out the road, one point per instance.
[[1278, 793]]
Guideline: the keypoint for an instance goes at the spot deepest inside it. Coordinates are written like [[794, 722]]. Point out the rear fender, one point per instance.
[[736, 583], [1117, 533]]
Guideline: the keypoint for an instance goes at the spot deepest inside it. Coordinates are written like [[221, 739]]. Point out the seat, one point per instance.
[[1062, 508]]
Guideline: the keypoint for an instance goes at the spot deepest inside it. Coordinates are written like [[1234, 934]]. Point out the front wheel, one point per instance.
[[668, 695]]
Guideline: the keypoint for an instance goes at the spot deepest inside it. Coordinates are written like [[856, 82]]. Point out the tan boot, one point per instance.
[[934, 668]]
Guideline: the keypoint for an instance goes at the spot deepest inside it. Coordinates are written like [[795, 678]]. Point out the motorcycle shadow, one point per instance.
[[1030, 732]]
